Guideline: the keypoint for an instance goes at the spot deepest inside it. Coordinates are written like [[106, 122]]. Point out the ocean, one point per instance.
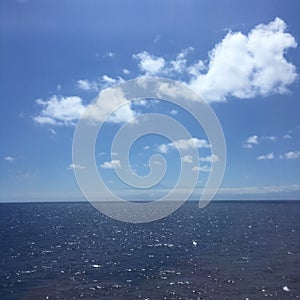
[[228, 250]]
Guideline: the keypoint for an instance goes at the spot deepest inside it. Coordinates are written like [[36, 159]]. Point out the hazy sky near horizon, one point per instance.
[[242, 57]]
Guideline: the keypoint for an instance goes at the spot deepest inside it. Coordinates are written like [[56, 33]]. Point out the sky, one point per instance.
[[242, 57]]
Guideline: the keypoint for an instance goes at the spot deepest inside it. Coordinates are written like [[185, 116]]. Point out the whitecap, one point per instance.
[[286, 289], [96, 266]]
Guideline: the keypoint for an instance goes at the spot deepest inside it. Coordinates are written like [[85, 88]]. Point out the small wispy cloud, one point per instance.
[[184, 144], [250, 141], [126, 71], [290, 155], [109, 54], [187, 159], [266, 156], [270, 138], [73, 166], [9, 158], [87, 85], [52, 131], [201, 169], [59, 110], [111, 164], [287, 136], [148, 63], [173, 112], [210, 158]]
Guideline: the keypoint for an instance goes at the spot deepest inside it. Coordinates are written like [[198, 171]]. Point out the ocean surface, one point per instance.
[[229, 250]]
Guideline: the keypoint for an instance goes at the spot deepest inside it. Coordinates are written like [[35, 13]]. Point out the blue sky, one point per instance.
[[241, 56]]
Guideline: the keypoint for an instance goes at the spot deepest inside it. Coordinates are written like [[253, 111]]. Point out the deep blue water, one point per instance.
[[224, 251]]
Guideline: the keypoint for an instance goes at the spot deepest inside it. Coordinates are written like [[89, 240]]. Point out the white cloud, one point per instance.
[[75, 167], [245, 66], [149, 64], [107, 79], [203, 169], [146, 147], [87, 85], [267, 156], [106, 102], [290, 155], [260, 189], [247, 146], [270, 138], [163, 148], [109, 54], [184, 144], [173, 112], [111, 164], [46, 120], [190, 143], [287, 136], [157, 38], [67, 110], [187, 159], [179, 65], [52, 131], [164, 90], [9, 158], [210, 158], [126, 71], [60, 110], [251, 140], [241, 65]]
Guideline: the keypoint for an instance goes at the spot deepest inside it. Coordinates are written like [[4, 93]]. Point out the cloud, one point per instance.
[[52, 131], [107, 101], [75, 167], [163, 148], [290, 155], [267, 156], [107, 79], [153, 65], [184, 144], [187, 159], [9, 158], [126, 71], [157, 38], [173, 112], [270, 138], [251, 140], [210, 158], [111, 164], [149, 64], [179, 65], [60, 110], [87, 85], [287, 136], [245, 66], [240, 66], [109, 54], [199, 169], [260, 189]]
